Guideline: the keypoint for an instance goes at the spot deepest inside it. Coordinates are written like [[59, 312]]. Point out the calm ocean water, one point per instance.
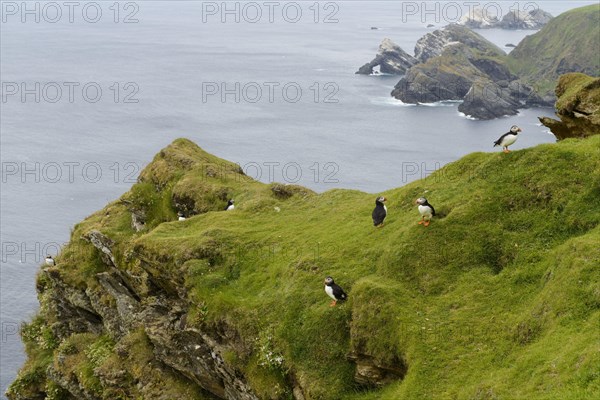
[[279, 97]]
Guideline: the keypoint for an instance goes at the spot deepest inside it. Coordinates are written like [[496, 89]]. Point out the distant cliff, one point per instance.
[[578, 107], [478, 18], [569, 43], [459, 64], [455, 63], [497, 298]]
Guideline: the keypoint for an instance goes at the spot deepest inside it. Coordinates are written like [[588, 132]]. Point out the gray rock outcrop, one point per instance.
[[460, 65], [390, 58]]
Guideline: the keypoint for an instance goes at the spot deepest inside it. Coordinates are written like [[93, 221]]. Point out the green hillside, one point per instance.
[[568, 43], [499, 298]]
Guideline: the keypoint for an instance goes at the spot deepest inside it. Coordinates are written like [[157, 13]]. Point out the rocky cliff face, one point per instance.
[[124, 306], [433, 43], [390, 59], [578, 107]]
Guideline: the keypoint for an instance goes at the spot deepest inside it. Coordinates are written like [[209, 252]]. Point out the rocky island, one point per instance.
[[390, 59], [479, 18], [455, 63], [459, 64]]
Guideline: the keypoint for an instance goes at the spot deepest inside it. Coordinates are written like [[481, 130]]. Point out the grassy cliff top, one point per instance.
[[498, 298]]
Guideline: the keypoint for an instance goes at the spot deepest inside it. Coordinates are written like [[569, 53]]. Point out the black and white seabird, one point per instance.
[[380, 211], [334, 291], [229, 205], [426, 210], [180, 216], [50, 261], [508, 138]]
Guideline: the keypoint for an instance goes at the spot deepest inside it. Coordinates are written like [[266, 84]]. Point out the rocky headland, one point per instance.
[[455, 63]]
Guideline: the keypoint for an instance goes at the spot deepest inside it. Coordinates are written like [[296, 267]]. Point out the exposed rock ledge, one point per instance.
[[133, 305], [578, 107]]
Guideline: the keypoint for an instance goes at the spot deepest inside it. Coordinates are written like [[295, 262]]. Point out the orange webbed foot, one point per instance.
[[421, 222], [426, 223], [333, 303]]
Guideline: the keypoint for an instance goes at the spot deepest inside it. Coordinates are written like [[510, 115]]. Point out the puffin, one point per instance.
[[380, 211], [229, 205], [508, 138], [50, 261], [334, 291], [180, 216], [426, 210]]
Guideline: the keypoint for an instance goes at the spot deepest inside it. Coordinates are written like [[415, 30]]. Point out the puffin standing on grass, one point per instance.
[[180, 216], [508, 138], [229, 205], [380, 211], [334, 291], [426, 210], [50, 261]]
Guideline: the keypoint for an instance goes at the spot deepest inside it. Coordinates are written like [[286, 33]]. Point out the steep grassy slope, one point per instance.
[[569, 43], [498, 298]]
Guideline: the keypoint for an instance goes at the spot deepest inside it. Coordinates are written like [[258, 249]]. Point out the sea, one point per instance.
[[92, 90]]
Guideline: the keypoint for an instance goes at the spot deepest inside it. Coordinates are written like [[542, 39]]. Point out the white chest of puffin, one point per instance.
[[426, 210], [230, 206], [508, 138]]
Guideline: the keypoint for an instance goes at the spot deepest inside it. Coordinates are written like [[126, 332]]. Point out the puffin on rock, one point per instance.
[[426, 210], [508, 138], [50, 261], [334, 291], [229, 205], [380, 211]]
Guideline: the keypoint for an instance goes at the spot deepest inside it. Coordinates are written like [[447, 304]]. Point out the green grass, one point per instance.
[[498, 298], [568, 43]]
